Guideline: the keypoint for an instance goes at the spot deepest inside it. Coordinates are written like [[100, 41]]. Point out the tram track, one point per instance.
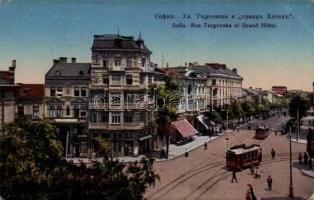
[[220, 165]]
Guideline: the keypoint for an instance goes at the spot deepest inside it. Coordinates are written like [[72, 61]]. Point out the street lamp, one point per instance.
[[291, 183]]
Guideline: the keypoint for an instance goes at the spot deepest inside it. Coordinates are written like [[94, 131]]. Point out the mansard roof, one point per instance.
[[63, 69], [118, 42], [215, 69]]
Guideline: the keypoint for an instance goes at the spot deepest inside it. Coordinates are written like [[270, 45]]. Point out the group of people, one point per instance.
[[306, 159]]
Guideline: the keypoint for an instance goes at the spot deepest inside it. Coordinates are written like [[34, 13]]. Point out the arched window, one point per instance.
[[52, 111], [59, 111], [68, 110], [76, 111]]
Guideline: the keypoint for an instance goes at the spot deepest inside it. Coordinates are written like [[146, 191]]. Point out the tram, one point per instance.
[[242, 156], [262, 132]]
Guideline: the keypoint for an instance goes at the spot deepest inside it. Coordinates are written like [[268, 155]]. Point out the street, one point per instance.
[[203, 175]]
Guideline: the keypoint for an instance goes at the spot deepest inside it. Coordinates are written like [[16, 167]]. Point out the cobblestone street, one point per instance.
[[203, 175]]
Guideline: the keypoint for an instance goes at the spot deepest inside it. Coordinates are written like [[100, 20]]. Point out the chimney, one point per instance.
[[73, 59], [55, 61], [12, 68], [185, 64], [63, 59], [235, 70]]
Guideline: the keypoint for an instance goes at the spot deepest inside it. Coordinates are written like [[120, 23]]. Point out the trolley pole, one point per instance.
[[291, 183], [226, 136]]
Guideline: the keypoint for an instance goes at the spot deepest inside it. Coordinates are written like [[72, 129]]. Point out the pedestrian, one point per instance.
[[257, 175], [238, 129], [234, 176], [248, 195], [252, 192], [273, 153], [252, 169], [310, 163], [205, 145], [300, 158], [269, 183], [276, 132], [186, 152], [305, 158]]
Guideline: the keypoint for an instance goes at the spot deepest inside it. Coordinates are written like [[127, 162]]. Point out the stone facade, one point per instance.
[[66, 104], [119, 107]]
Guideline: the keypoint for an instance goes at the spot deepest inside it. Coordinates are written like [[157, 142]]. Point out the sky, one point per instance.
[[34, 32]]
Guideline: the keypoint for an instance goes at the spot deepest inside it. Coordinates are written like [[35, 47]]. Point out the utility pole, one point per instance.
[[226, 137], [298, 130], [291, 183]]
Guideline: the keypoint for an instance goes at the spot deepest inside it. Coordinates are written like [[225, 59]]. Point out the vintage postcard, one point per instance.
[[148, 99]]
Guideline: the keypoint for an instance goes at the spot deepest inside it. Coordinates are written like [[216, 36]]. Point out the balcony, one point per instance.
[[98, 125], [116, 68]]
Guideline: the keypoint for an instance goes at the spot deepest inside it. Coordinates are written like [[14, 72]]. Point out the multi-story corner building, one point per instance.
[[66, 104], [119, 105], [8, 90], [29, 102]]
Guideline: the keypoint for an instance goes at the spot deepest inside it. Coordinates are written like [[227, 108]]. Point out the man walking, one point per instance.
[[300, 158], [269, 183], [234, 177], [305, 158], [252, 192], [273, 153]]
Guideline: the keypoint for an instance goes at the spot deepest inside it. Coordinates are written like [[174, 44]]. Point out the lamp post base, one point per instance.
[[291, 192]]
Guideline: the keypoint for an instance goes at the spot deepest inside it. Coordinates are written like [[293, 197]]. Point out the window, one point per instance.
[[115, 117], [35, 111], [68, 91], [52, 91], [59, 111], [105, 63], [68, 110], [116, 80], [81, 73], [57, 73], [59, 91], [129, 79], [83, 112], [76, 91], [150, 79], [128, 117], [20, 111], [214, 82], [76, 111], [117, 62], [105, 80], [104, 116], [116, 98], [143, 62], [52, 112], [83, 91], [129, 62]]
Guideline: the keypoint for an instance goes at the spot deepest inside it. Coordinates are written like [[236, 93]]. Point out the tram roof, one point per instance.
[[243, 150]]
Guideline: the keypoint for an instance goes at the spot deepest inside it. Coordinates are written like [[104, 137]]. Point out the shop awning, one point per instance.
[[205, 121], [184, 128]]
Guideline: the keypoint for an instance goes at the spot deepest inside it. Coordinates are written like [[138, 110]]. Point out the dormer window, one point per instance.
[[58, 73]]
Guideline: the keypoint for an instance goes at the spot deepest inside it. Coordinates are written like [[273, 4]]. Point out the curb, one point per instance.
[[306, 174], [192, 149]]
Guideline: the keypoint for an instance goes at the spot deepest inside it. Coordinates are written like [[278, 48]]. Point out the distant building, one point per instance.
[[66, 104], [8, 90], [282, 90], [119, 107]]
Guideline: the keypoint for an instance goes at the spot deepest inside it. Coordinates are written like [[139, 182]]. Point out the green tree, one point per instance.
[[32, 168], [298, 105], [248, 109], [166, 99]]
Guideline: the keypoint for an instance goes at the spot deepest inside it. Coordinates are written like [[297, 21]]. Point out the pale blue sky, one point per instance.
[[35, 32]]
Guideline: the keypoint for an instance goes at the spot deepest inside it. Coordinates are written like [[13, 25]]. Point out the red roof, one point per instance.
[[30, 90], [169, 72], [184, 127]]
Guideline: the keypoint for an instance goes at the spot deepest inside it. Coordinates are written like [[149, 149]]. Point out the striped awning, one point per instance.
[[184, 128], [205, 121]]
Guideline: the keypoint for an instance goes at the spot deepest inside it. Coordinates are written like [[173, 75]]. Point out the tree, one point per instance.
[[237, 110], [298, 105], [310, 142], [166, 99], [32, 167], [248, 108]]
